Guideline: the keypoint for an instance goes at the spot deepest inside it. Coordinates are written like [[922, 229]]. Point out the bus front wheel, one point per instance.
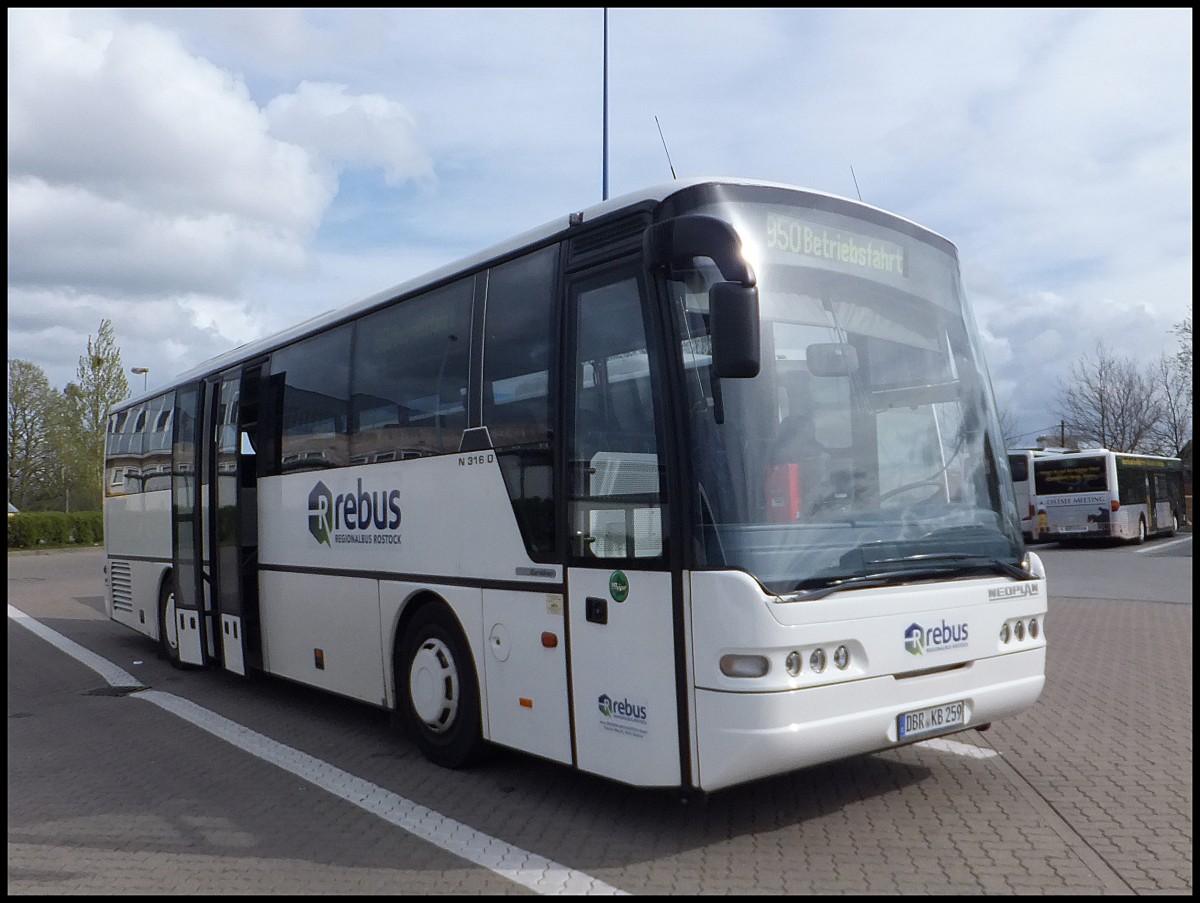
[[438, 691]]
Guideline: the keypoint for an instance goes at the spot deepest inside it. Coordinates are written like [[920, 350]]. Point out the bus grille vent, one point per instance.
[[121, 580], [608, 240]]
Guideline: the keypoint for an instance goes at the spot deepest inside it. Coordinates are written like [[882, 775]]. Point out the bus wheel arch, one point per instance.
[[436, 685]]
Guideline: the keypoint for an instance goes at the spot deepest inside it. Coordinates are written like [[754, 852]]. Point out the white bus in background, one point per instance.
[[1102, 494], [697, 486], [1020, 463]]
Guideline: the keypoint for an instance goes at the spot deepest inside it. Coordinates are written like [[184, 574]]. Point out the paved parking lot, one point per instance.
[[1091, 791]]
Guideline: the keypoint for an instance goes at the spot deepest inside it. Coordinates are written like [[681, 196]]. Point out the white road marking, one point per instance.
[[959, 749], [544, 876], [114, 676], [1162, 545]]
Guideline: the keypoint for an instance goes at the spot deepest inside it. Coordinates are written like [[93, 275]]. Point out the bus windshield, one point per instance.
[[869, 443]]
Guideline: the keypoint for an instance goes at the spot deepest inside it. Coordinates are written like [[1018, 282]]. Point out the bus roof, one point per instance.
[[560, 225], [1067, 454]]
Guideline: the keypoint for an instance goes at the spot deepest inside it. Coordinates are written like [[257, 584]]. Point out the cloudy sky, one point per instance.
[[204, 177]]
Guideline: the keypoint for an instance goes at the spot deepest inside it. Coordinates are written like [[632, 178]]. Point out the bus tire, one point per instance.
[[438, 691], [168, 627]]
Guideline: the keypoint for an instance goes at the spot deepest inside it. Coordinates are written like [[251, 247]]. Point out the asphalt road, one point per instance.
[[203, 782]]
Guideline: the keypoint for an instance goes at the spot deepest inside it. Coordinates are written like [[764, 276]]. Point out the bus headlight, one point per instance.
[[1033, 628], [1019, 630], [841, 657], [794, 662], [1004, 633], [744, 665], [817, 660]]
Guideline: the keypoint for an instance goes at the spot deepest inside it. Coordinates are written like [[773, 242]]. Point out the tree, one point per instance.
[[74, 454], [1183, 357], [1110, 404], [30, 453], [1008, 428], [1174, 428], [100, 383]]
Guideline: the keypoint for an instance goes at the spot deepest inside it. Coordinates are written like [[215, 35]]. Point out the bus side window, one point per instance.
[[519, 329], [411, 365], [316, 374]]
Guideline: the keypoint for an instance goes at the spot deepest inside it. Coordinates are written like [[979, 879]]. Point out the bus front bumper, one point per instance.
[[745, 736]]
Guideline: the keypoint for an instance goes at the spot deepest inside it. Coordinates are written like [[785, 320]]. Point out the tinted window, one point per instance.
[[156, 444], [411, 363], [316, 375], [1019, 467], [519, 329]]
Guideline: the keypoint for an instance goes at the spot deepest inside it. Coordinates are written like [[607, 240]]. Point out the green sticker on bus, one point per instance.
[[618, 586]]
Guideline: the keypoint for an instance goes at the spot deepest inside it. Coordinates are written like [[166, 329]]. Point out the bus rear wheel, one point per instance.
[[168, 625], [438, 691]]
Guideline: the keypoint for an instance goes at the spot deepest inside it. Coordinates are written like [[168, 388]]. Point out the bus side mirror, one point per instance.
[[733, 323], [693, 235]]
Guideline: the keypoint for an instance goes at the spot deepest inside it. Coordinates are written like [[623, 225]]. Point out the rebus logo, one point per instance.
[[919, 640], [914, 639], [358, 511], [320, 513], [622, 708]]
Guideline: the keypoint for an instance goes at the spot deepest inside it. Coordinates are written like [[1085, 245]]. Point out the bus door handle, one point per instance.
[[596, 610]]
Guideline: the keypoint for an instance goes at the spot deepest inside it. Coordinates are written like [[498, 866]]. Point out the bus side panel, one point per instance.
[[323, 631], [525, 669], [132, 593], [137, 527], [443, 516], [1124, 524], [623, 676]]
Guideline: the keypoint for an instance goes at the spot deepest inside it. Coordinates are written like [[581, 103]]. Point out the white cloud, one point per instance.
[[250, 167], [363, 130]]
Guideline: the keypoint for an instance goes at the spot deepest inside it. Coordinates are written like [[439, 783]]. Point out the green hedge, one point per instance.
[[53, 528]]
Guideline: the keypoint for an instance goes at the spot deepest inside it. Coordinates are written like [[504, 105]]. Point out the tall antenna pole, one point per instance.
[[605, 104]]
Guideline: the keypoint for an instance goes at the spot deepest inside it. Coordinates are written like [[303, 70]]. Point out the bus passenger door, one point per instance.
[[222, 517], [619, 586], [187, 522], [232, 516]]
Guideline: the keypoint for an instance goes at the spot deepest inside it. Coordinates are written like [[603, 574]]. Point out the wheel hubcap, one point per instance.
[[433, 685]]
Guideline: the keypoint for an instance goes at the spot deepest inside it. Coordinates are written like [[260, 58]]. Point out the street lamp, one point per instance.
[[143, 371]]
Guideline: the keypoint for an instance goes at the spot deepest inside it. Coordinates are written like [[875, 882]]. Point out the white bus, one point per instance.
[[1101, 494], [558, 497], [1020, 463]]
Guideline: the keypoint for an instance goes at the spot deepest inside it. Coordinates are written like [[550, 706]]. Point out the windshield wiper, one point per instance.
[[965, 559], [951, 563]]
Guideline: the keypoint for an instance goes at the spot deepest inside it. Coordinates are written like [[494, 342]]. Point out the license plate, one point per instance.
[[932, 720], [1072, 529]]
